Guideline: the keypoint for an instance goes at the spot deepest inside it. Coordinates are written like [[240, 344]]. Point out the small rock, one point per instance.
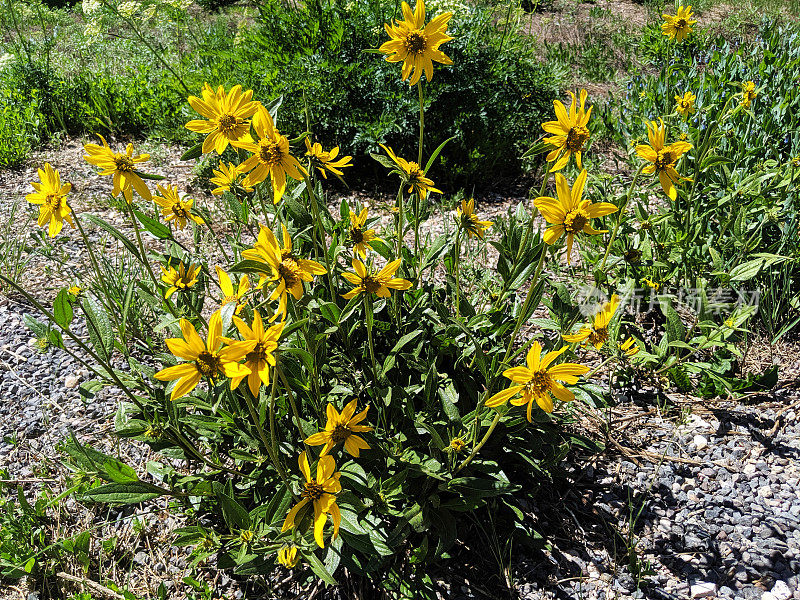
[[700, 441], [781, 591], [71, 381], [703, 589], [765, 491]]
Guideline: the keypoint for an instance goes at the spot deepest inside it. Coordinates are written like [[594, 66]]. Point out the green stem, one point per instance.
[[261, 433], [293, 404], [483, 441], [457, 270], [622, 210], [421, 122], [370, 319], [318, 224]]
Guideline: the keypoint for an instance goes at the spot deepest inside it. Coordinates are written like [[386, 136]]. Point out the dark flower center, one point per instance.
[[664, 159], [540, 383], [681, 24], [123, 163], [598, 336], [340, 434], [370, 284], [575, 221], [576, 138], [257, 354], [312, 490], [207, 364], [179, 211], [416, 43], [356, 235], [269, 153], [227, 123], [289, 270]]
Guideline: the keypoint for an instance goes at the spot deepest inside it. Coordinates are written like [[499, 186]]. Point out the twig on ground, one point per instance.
[[91, 585]]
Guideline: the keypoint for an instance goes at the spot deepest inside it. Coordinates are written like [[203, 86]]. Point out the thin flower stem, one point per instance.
[[529, 229], [101, 280], [421, 122], [293, 404], [457, 270], [269, 448], [145, 260], [622, 210], [483, 441], [318, 224], [368, 310]]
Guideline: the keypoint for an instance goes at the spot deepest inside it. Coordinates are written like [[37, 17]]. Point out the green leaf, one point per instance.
[[62, 309], [120, 472], [153, 226], [436, 153], [476, 487], [392, 356], [150, 176], [251, 265], [101, 335], [318, 568], [449, 397], [116, 233], [747, 270], [124, 493], [193, 153], [235, 515], [675, 329]]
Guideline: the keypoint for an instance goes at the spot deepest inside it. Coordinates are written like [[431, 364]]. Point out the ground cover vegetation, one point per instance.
[[347, 400]]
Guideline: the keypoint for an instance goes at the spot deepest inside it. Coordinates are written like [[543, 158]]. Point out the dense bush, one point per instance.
[[314, 56]]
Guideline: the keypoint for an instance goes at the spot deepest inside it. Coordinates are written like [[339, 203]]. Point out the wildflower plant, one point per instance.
[[334, 394]]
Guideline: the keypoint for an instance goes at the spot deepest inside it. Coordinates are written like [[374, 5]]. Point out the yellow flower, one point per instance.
[[287, 556], [227, 176], [180, 280], [342, 428], [749, 94], [536, 382], [261, 356], [288, 270], [629, 347], [415, 44], [412, 174], [229, 295], [209, 360], [457, 445], [597, 333], [121, 166], [374, 283], [74, 291], [685, 105], [468, 220], [359, 236], [246, 536], [226, 116], [326, 161], [680, 25], [569, 132], [663, 157], [320, 493], [653, 285], [51, 195], [174, 208], [569, 213], [270, 156]]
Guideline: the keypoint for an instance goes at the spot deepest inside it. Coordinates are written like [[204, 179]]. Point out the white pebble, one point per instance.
[[700, 441], [71, 381], [704, 590], [765, 491], [781, 591]]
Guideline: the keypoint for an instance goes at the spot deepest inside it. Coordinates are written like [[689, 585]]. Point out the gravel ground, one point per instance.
[[706, 494]]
